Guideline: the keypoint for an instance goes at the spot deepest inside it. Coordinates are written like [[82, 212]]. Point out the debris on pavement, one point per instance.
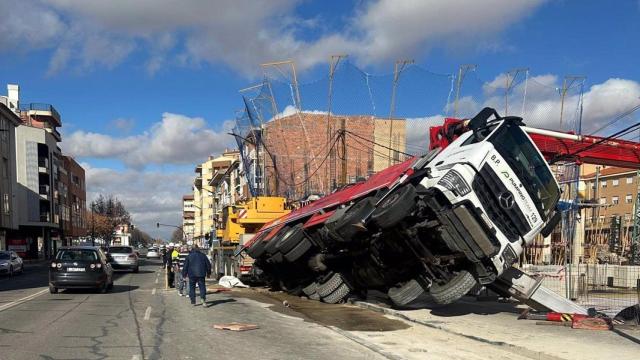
[[234, 326], [231, 281]]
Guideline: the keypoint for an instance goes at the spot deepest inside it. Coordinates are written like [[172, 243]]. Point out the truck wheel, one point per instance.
[[456, 288], [330, 285], [310, 289], [395, 207], [297, 252], [256, 249], [270, 247], [339, 295], [347, 227], [406, 293], [291, 239]]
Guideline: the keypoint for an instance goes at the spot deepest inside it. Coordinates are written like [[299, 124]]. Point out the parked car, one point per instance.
[[81, 267], [124, 257], [10, 263], [153, 253]]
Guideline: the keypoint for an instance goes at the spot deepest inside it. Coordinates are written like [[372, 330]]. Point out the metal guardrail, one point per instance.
[[41, 107]]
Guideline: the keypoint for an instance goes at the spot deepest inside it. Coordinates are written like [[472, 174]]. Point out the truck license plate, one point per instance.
[[76, 269]]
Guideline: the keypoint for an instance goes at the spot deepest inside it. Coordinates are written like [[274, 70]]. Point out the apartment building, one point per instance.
[[204, 196], [613, 188], [42, 202], [72, 196], [8, 122], [188, 217]]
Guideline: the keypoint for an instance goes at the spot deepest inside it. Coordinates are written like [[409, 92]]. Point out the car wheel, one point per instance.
[[397, 206], [454, 289], [53, 289]]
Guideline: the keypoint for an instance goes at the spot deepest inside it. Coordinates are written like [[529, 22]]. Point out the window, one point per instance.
[[629, 180], [601, 218], [6, 205], [628, 199], [627, 217], [615, 200], [603, 200], [615, 182], [604, 183]]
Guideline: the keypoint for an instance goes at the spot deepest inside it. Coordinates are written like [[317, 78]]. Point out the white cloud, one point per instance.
[[177, 139], [149, 196], [417, 130], [244, 33]]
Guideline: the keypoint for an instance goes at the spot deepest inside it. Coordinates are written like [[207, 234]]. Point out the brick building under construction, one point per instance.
[[311, 154]]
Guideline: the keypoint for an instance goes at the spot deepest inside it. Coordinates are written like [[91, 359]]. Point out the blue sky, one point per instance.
[[129, 78]]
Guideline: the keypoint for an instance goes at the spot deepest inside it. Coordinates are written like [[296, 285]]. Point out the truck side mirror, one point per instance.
[[551, 224], [480, 120]]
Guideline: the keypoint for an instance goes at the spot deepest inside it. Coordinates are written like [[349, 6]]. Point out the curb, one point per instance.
[[515, 349]]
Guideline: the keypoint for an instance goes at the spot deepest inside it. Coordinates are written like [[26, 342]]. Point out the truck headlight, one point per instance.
[[454, 182]]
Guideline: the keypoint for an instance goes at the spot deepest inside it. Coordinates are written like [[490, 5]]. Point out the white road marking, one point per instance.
[[24, 299], [147, 313], [153, 292], [156, 280], [135, 357]]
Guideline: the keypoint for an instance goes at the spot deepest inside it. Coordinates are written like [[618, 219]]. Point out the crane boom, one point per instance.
[[555, 144]]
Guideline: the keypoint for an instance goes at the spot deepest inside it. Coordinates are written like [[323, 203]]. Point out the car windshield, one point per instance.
[[77, 255], [530, 167], [4, 256], [120, 250]]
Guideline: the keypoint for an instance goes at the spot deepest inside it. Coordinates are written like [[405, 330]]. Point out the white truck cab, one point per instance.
[[497, 194]]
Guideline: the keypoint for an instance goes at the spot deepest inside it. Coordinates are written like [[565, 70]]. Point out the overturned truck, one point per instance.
[[437, 224]]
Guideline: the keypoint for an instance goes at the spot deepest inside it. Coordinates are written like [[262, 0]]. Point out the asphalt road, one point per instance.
[[138, 319]]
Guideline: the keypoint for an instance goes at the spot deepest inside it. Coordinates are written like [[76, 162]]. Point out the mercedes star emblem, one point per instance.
[[506, 200]]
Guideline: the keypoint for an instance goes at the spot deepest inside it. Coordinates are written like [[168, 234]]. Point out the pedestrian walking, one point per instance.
[[168, 263], [178, 264], [196, 268]]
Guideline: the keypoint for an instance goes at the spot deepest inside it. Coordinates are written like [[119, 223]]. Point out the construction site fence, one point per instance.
[[606, 287]]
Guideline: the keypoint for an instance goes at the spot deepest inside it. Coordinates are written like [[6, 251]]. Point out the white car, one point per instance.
[[10, 263], [153, 253]]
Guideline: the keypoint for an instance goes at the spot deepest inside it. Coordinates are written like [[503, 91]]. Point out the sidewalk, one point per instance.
[[496, 323]]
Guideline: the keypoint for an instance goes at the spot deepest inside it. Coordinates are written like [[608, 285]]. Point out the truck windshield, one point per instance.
[[516, 148]]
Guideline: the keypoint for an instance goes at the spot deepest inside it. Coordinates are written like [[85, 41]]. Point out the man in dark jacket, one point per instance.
[[196, 267]]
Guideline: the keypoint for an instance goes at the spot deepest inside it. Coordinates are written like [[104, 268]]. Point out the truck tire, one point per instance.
[[406, 293], [270, 247], [347, 227], [256, 249], [310, 289], [395, 207], [339, 295], [299, 250], [325, 288], [456, 288], [291, 239]]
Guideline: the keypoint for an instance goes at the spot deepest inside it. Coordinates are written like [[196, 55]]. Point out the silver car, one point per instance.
[[124, 257], [153, 253], [10, 263]]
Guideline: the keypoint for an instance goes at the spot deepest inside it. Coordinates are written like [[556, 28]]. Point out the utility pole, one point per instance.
[[567, 83], [343, 174], [510, 80], [462, 71], [334, 60], [635, 237], [399, 66]]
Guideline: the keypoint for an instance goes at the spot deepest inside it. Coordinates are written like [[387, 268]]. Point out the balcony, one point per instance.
[[44, 192], [43, 165], [44, 111], [45, 217]]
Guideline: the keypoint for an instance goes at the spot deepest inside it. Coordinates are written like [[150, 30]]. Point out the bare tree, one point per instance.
[[176, 236], [111, 210]]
